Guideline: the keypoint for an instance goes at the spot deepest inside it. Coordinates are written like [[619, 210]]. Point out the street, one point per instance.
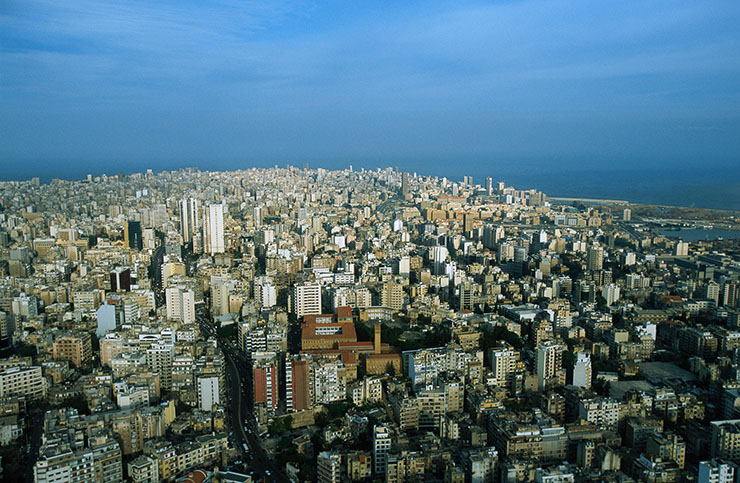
[[242, 422]]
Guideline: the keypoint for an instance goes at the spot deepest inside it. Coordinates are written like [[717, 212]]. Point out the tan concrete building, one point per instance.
[[75, 348]]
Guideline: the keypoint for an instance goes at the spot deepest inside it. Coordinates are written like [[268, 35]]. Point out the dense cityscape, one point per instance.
[[292, 324]]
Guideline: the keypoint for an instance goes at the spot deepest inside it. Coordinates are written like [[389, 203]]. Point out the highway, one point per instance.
[[242, 421]]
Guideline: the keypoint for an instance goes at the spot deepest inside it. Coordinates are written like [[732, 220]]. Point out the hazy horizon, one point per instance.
[[432, 87]]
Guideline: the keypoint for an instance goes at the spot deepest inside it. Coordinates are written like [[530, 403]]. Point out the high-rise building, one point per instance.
[[189, 220], [381, 448], [264, 292], [143, 470], [610, 292], [682, 249], [669, 447], [712, 292], [504, 361], [328, 381], [22, 381], [731, 294], [180, 304], [582, 371], [208, 392], [549, 365], [404, 185], [717, 471], [120, 279], [595, 258], [213, 229], [329, 466], [159, 359], [465, 297], [7, 325], [106, 319], [603, 412], [106, 457], [392, 295], [298, 385], [627, 214], [726, 439], [74, 347], [221, 287], [439, 256], [25, 306], [306, 299], [132, 235], [257, 215], [265, 379]]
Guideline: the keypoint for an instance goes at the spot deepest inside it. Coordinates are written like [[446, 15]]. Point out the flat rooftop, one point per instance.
[[663, 371]]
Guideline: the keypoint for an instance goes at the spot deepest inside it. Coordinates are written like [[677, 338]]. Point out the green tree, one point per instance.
[[601, 387], [281, 425], [600, 302]]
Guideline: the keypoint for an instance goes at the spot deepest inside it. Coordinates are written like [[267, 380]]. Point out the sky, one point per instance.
[[108, 86]]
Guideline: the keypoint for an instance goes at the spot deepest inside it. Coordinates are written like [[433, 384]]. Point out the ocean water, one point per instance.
[[702, 234]]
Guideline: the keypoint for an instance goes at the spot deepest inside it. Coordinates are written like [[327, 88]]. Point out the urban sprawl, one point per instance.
[[292, 324]]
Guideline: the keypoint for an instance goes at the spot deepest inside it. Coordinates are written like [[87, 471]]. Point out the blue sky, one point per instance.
[[417, 84]]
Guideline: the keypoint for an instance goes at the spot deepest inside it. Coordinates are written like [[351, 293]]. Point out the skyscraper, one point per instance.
[[549, 364], [189, 221], [180, 304], [381, 448], [265, 379], [298, 370], [582, 371], [404, 184], [257, 216], [213, 229], [306, 299], [329, 467], [627, 215], [120, 279], [504, 361], [595, 258], [391, 295], [132, 235]]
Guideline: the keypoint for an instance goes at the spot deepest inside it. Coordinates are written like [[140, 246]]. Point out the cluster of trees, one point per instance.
[[280, 425]]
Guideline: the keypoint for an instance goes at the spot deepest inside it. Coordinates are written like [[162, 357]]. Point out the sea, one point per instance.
[[702, 234]]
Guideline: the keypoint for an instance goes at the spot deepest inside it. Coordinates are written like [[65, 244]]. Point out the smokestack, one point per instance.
[[377, 338]]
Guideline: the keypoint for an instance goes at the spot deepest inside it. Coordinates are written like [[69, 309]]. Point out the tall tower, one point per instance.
[[381, 448], [404, 185], [392, 295], [189, 223], [627, 215], [306, 299], [265, 379], [549, 364], [132, 235], [329, 467], [595, 257], [377, 338], [257, 216], [213, 229], [582, 371]]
